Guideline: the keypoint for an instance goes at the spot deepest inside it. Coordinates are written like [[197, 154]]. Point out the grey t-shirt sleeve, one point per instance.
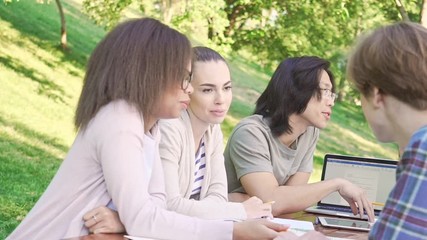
[[249, 150], [312, 136]]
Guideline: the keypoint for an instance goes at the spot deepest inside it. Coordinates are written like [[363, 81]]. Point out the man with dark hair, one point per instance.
[[270, 154]]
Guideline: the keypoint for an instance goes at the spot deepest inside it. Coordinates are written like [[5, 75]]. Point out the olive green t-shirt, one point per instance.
[[253, 148]]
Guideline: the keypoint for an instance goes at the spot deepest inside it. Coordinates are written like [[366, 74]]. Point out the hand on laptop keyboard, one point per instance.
[[356, 198]]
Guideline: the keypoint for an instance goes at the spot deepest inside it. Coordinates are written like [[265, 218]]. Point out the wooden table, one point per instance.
[[330, 232]]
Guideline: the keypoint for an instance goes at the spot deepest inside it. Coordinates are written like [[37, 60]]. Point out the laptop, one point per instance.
[[376, 176]]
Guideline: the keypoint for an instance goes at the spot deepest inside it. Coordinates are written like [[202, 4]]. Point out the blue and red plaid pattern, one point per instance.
[[405, 213]]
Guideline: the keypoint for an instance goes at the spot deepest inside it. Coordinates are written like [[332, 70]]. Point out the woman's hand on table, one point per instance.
[[257, 229], [103, 220], [255, 208]]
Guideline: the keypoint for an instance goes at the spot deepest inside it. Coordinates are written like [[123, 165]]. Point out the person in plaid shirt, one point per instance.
[[389, 68]]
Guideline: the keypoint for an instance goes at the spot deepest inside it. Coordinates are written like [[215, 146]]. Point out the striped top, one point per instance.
[[405, 214], [199, 171]]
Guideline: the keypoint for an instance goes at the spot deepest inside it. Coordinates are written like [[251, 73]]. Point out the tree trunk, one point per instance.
[[423, 14], [232, 19], [63, 26], [402, 10], [211, 31], [167, 11]]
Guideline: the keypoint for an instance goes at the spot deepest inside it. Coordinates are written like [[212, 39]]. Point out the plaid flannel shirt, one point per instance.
[[405, 213]]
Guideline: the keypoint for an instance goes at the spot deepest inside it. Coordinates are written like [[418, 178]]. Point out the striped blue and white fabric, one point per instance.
[[199, 171]]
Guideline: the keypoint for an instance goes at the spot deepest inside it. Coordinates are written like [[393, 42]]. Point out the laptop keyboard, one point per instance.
[[341, 209]]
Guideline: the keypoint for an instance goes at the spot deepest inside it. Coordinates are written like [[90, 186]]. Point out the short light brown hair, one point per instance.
[[392, 58], [135, 62]]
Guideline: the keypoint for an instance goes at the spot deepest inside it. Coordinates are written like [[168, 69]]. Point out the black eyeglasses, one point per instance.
[[327, 93], [186, 81]]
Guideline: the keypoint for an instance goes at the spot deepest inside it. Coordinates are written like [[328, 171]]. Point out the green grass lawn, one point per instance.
[[40, 86]]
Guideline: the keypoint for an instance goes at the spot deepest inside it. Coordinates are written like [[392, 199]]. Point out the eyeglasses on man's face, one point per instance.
[[328, 94], [186, 81]]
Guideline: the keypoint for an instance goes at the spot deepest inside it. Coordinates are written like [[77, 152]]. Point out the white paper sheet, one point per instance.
[[138, 238], [296, 226]]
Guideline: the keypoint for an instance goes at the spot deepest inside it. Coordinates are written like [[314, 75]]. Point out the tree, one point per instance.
[[206, 17], [63, 26], [105, 12], [273, 29], [414, 10], [402, 10], [63, 35]]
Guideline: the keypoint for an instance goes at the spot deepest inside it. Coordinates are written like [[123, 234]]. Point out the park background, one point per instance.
[[44, 46]]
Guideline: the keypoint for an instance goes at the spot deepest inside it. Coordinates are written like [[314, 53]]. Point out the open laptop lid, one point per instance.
[[376, 176]]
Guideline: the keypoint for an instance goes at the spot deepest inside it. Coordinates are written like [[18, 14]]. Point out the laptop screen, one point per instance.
[[376, 176]]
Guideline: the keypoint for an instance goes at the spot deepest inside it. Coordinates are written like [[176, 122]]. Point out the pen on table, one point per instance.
[[271, 203]]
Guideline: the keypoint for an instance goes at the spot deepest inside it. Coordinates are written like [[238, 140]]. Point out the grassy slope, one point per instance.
[[39, 90], [40, 86]]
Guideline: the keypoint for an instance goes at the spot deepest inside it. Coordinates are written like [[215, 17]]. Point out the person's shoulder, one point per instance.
[[421, 133], [173, 122], [418, 139], [253, 121], [254, 125], [181, 125], [183, 121], [310, 135], [119, 114], [114, 118]]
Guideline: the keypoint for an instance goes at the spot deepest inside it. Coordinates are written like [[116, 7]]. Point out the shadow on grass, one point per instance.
[[33, 135], [46, 87], [25, 172]]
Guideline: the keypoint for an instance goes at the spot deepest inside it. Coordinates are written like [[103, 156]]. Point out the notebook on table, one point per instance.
[[376, 176]]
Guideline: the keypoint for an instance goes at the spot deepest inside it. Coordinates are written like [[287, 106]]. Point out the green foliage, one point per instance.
[[270, 29], [274, 30], [322, 28], [204, 17], [105, 12]]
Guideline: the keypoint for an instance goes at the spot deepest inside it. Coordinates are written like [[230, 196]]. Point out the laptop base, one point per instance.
[[347, 214]]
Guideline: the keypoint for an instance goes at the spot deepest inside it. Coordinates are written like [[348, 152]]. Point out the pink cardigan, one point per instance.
[[113, 159]]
